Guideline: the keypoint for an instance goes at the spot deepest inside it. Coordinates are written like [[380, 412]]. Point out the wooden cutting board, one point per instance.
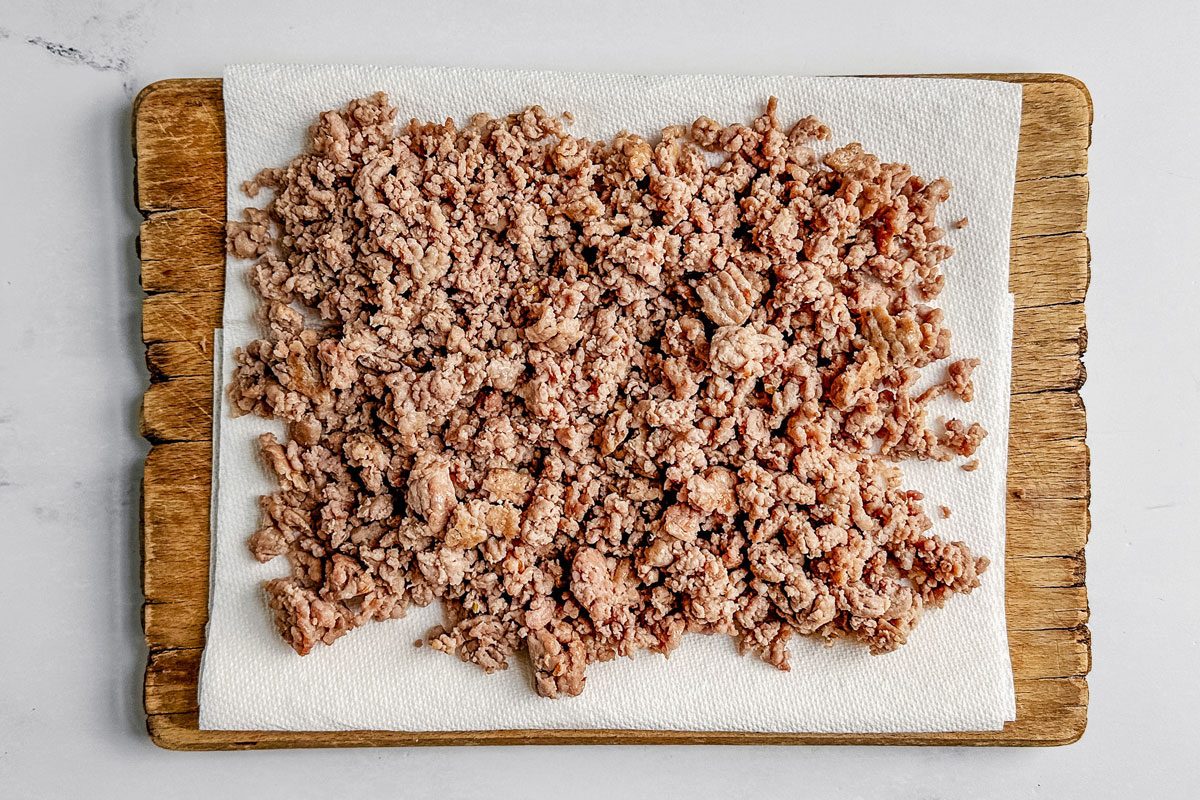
[[179, 146]]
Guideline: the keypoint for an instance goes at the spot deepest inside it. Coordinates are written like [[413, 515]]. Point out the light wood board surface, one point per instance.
[[179, 147]]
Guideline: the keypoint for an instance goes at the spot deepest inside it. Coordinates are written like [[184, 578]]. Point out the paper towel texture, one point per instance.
[[954, 674]]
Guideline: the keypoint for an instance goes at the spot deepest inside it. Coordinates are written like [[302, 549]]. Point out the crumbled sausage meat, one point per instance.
[[592, 396]]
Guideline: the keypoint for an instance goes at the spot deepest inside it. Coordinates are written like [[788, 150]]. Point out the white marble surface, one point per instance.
[[70, 377]]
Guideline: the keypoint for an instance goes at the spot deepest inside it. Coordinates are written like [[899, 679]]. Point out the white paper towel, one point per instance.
[[954, 674]]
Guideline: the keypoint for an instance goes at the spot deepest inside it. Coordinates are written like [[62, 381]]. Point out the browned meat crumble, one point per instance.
[[595, 395]]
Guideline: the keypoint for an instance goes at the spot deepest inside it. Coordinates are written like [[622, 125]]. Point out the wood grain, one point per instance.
[[1048, 345], [180, 316], [179, 148], [167, 360], [1050, 269], [182, 251]]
